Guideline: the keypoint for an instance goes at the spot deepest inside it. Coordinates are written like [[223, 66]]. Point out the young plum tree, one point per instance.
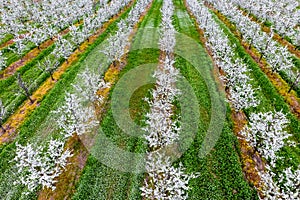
[[295, 81], [24, 88], [40, 165], [89, 85], [266, 133], [165, 181], [74, 118], [49, 67]]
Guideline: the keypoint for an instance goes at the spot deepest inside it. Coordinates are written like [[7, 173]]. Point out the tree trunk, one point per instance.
[[294, 83], [250, 45], [261, 55], [3, 129], [51, 75]]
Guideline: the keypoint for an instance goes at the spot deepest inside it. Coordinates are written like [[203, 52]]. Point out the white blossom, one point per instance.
[[165, 181], [266, 132], [2, 61], [40, 165], [89, 85], [73, 117]]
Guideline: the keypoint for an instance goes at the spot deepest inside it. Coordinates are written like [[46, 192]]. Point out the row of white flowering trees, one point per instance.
[[119, 43], [52, 17], [266, 130], [242, 94], [41, 165], [279, 58], [65, 45], [284, 15], [164, 181], [36, 21]]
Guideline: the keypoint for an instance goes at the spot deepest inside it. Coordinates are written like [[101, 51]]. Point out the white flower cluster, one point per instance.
[[242, 94], [74, 117], [276, 55], [91, 82], [266, 132], [40, 166], [164, 181], [284, 15], [90, 24], [161, 129], [2, 61], [119, 42], [287, 188], [168, 41]]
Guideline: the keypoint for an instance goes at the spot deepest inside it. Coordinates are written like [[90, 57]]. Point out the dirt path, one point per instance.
[[6, 44], [15, 120]]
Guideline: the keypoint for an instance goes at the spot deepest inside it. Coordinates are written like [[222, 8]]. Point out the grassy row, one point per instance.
[[270, 100], [99, 181], [30, 74], [50, 102], [221, 175], [6, 38], [11, 56]]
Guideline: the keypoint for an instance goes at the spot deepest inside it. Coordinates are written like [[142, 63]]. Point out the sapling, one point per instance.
[[49, 67], [40, 165], [24, 88], [266, 133], [295, 83]]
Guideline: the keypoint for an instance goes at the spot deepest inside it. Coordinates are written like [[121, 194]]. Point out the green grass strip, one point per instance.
[[50, 102], [99, 181]]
